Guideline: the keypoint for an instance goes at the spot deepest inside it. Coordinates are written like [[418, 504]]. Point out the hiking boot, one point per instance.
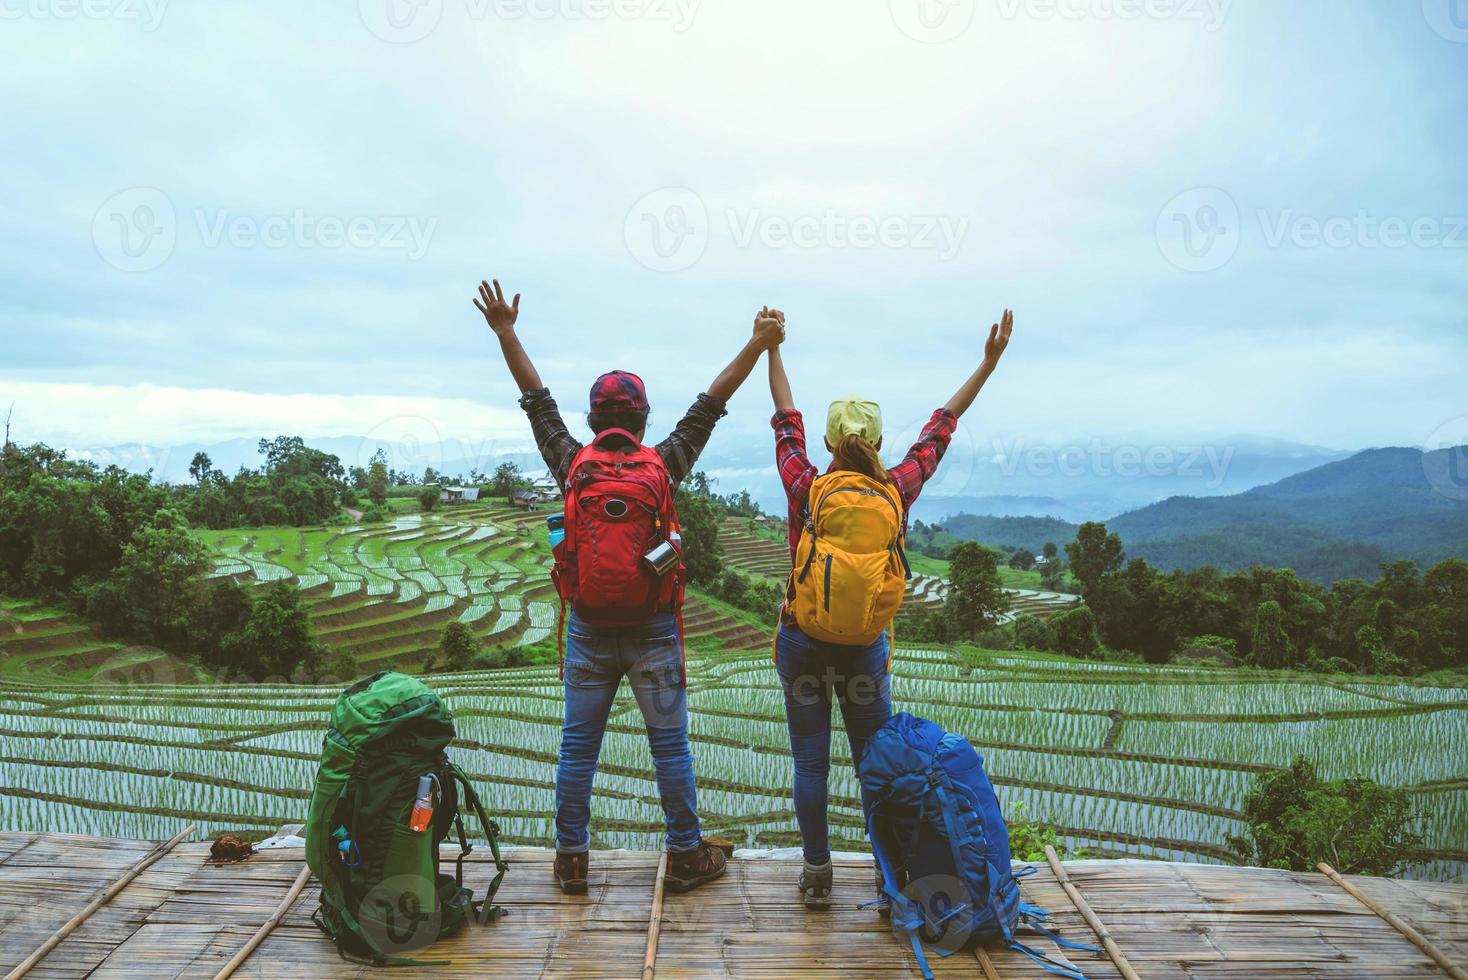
[[689, 869], [815, 886], [570, 871], [883, 903]]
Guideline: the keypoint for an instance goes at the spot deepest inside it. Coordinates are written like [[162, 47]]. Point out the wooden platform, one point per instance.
[[185, 917]]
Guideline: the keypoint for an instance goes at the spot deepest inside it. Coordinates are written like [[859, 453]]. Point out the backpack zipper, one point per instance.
[[828, 583]]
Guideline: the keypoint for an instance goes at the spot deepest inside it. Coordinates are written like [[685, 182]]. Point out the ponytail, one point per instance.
[[854, 453]]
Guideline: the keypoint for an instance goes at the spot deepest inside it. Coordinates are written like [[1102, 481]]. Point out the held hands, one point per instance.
[[769, 328], [998, 338], [497, 313]]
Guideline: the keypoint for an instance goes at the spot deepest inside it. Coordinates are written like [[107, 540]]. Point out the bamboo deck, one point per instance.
[[186, 917]]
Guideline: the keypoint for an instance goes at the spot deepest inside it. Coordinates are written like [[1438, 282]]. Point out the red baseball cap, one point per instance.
[[618, 391]]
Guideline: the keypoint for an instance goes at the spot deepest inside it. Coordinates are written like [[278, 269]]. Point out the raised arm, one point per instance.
[[769, 332], [501, 318], [993, 350], [779, 382]]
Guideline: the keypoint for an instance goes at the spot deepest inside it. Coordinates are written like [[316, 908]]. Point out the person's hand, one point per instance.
[[998, 338], [769, 328], [497, 313]]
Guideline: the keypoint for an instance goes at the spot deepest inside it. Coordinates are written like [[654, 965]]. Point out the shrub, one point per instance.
[[1075, 632], [374, 514], [1221, 651], [457, 645], [1033, 633], [1296, 820]]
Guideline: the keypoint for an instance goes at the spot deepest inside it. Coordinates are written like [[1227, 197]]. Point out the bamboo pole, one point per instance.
[[1112, 950], [75, 921], [986, 964], [655, 921], [270, 924], [1405, 928]]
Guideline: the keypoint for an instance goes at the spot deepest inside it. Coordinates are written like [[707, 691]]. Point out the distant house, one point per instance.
[[1041, 560], [525, 499], [458, 495], [545, 487]]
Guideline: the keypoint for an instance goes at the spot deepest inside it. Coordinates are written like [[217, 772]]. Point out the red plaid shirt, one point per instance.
[[798, 473]]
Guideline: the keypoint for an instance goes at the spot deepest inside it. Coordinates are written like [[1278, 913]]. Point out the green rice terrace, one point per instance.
[[1123, 760]]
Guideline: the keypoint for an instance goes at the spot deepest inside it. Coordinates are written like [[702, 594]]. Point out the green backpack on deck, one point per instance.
[[369, 839]]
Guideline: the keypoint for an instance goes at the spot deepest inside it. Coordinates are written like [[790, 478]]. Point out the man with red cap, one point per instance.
[[644, 644]]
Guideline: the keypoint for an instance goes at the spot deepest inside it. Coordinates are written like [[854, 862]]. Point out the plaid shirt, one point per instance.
[[798, 473], [679, 451]]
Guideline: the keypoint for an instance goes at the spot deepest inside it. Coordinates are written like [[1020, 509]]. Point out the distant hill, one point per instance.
[[1335, 521]]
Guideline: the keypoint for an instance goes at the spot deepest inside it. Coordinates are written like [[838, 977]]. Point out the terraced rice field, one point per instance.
[[1151, 763], [383, 592], [757, 555]]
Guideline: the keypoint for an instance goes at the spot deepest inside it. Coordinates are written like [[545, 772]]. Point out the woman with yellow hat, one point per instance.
[[848, 576]]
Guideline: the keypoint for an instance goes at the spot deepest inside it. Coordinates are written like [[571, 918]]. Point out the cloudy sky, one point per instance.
[[1212, 217]]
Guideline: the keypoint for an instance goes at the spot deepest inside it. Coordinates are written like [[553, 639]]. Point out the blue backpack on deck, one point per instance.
[[940, 841]]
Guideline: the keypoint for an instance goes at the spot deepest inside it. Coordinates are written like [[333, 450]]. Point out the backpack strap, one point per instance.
[[490, 911]]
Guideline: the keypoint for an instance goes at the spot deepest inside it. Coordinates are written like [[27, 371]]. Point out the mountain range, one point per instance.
[[1339, 520]]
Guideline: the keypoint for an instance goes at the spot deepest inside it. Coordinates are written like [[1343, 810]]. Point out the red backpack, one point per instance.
[[619, 507]]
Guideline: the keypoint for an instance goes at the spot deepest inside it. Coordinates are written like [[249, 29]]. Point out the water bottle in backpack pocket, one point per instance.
[[940, 841]]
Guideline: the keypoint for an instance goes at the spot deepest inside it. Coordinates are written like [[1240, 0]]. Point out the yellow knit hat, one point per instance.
[[853, 416]]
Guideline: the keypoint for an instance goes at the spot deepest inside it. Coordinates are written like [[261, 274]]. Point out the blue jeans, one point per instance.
[[813, 674], [597, 659]]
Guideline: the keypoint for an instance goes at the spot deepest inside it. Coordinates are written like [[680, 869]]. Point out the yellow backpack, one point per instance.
[[850, 571]]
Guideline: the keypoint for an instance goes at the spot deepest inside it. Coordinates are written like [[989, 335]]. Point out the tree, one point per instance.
[[1052, 572], [430, 475], [377, 478], [428, 498], [1022, 559], [457, 645], [702, 553], [507, 478], [1297, 820], [1272, 647], [1094, 554], [276, 640], [159, 582], [976, 597], [201, 468], [1075, 633]]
